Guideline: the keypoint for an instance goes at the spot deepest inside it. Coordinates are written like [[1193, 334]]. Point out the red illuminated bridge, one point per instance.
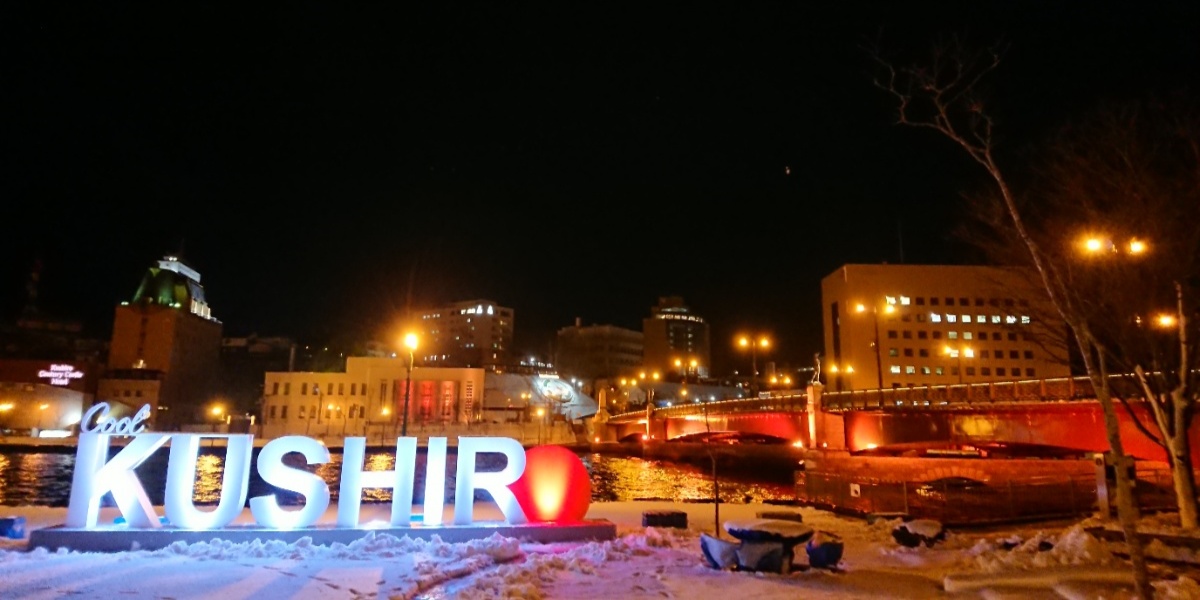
[[1048, 417]]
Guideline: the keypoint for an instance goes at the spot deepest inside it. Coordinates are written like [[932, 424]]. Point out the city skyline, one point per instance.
[[326, 167]]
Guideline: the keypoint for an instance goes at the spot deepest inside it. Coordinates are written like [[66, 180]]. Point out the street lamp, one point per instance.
[[754, 344], [887, 309], [410, 342], [959, 353], [654, 377], [541, 412], [41, 414], [5, 409]]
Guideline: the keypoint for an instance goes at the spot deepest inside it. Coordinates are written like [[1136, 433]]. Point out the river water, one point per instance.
[[42, 477]]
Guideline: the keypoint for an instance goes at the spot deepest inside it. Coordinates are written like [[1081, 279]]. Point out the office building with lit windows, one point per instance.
[[674, 333], [468, 334], [889, 326]]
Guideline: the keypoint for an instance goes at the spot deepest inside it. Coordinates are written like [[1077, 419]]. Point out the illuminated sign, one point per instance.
[[97, 475], [60, 374]]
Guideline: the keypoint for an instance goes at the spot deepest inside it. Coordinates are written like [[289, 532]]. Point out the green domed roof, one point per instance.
[[172, 283]]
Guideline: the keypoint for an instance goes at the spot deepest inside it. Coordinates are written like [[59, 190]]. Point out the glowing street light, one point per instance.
[[753, 343], [410, 342], [1165, 321]]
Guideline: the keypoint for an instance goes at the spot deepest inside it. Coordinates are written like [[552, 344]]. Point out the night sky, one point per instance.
[[567, 160]]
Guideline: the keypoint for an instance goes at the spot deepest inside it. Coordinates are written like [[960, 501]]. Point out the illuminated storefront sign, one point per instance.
[[97, 475], [60, 374]]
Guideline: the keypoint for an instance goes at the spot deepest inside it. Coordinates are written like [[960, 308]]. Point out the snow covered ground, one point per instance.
[[1036, 561]]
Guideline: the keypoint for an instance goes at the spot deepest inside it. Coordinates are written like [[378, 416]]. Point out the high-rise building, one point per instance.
[[914, 325], [165, 348], [469, 334], [674, 334], [597, 351]]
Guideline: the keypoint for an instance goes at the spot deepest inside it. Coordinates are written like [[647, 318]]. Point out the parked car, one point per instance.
[[948, 487], [730, 438], [633, 438]]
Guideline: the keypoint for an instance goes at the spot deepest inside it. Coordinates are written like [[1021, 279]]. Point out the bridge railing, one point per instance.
[[773, 403], [1061, 389]]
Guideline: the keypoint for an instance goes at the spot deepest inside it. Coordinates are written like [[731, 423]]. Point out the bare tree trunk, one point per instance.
[[1173, 414], [1184, 479], [1127, 509], [947, 84]]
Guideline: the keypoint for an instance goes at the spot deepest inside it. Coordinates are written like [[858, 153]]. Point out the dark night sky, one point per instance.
[[567, 160]]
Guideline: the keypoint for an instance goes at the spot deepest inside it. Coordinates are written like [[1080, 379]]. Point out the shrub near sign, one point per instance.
[[96, 474]]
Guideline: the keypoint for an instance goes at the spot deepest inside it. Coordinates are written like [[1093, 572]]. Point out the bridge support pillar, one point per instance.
[[825, 430]]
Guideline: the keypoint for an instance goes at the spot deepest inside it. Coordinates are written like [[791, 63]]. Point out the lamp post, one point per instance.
[[754, 343], [410, 342], [960, 353], [887, 309], [541, 412], [217, 411], [5, 409], [41, 415], [320, 402], [654, 377]]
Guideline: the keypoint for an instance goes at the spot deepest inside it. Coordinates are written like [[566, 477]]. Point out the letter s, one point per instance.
[[266, 509]]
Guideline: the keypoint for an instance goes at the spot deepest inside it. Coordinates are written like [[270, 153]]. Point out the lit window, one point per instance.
[[953, 352], [889, 299], [1010, 319], [966, 318], [966, 335], [995, 318], [1024, 319], [894, 369], [969, 353], [910, 370], [905, 300], [953, 335], [951, 318], [981, 318], [939, 370], [925, 371], [935, 318]]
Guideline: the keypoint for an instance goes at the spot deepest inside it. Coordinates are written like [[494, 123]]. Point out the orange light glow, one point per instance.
[[555, 486]]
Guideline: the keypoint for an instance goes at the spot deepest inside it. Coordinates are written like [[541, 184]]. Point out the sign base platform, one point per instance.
[[120, 538]]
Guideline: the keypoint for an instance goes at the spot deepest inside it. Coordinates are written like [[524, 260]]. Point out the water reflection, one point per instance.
[[27, 476], [209, 468], [44, 478], [619, 478]]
